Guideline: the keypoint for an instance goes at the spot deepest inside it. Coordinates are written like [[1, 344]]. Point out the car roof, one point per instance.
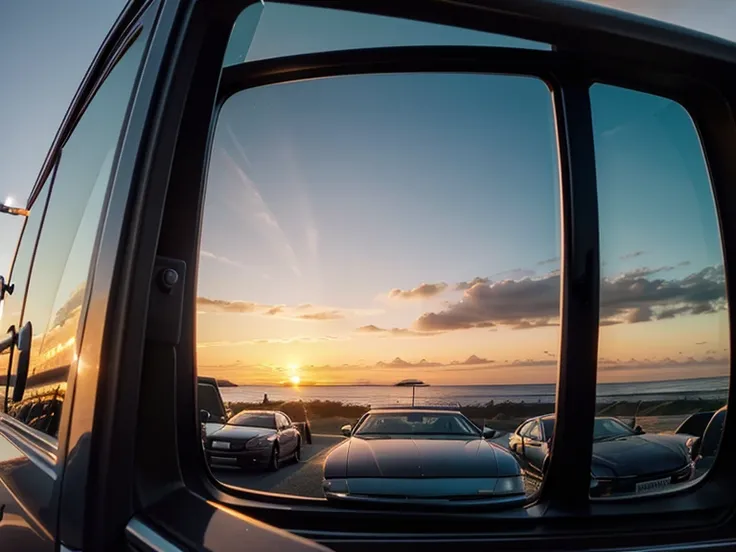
[[413, 411], [260, 412]]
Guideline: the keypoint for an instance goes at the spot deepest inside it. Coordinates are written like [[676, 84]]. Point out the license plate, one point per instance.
[[222, 445], [649, 486]]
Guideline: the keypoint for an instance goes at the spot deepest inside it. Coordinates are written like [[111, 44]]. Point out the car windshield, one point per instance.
[[608, 428], [250, 419], [416, 424]]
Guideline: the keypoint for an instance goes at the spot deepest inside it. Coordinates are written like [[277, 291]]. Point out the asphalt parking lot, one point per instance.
[[302, 479]]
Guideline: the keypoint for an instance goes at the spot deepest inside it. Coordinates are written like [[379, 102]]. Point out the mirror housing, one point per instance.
[[489, 433], [24, 356], [14, 210], [204, 416], [638, 430], [346, 430]]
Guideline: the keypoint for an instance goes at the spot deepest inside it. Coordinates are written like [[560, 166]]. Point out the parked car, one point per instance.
[[253, 438], [423, 455], [625, 460]]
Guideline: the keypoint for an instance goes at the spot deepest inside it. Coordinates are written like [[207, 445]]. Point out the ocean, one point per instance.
[[465, 395]]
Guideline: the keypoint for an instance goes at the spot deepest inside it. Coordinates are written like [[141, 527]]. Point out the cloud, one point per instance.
[[628, 298], [530, 324], [632, 255], [422, 291], [509, 302], [551, 260], [392, 332], [300, 312], [207, 255], [462, 286], [324, 315], [516, 273], [684, 263], [639, 314], [269, 341], [667, 362], [645, 271], [220, 305]]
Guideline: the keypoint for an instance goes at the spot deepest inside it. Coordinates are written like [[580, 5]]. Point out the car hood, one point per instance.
[[411, 458], [640, 455], [226, 432]]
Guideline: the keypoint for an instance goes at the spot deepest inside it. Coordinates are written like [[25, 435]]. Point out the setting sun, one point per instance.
[[295, 380]]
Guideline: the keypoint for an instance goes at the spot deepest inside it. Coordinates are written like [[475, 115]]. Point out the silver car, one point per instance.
[[428, 456], [253, 438]]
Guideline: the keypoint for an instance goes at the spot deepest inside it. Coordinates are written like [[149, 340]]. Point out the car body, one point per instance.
[[424, 456], [625, 460], [253, 438]]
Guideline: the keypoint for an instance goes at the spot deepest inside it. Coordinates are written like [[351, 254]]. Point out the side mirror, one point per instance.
[[489, 433], [638, 430], [204, 416], [346, 430], [24, 356]]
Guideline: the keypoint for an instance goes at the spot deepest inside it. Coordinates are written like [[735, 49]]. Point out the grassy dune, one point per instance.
[[654, 416]]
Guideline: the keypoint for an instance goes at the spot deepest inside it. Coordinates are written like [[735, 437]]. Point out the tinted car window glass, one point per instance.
[[663, 348], [415, 424], [535, 432], [275, 30], [210, 401], [356, 253], [549, 428], [254, 420], [66, 244], [12, 304], [524, 430]]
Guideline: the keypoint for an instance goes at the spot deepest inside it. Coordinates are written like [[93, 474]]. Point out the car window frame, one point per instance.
[[608, 65], [259, 73]]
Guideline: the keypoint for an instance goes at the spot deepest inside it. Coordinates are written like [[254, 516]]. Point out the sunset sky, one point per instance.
[[354, 221], [381, 227]]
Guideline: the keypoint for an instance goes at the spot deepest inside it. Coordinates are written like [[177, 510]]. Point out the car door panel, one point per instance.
[[29, 492]]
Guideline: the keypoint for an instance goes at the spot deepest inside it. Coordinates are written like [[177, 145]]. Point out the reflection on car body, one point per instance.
[[625, 460], [255, 437], [421, 455], [707, 428]]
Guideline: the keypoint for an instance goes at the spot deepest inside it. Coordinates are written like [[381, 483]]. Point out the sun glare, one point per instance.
[[295, 380]]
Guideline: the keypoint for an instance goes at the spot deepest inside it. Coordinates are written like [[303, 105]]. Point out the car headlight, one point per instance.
[[338, 486], [509, 485], [258, 443]]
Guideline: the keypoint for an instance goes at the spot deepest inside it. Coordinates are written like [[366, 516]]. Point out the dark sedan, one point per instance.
[[262, 438], [424, 456], [625, 460]]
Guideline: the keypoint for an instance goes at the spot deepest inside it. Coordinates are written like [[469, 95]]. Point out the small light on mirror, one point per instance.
[[7, 207]]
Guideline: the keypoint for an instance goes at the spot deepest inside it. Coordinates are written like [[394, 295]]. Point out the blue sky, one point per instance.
[[430, 182]]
